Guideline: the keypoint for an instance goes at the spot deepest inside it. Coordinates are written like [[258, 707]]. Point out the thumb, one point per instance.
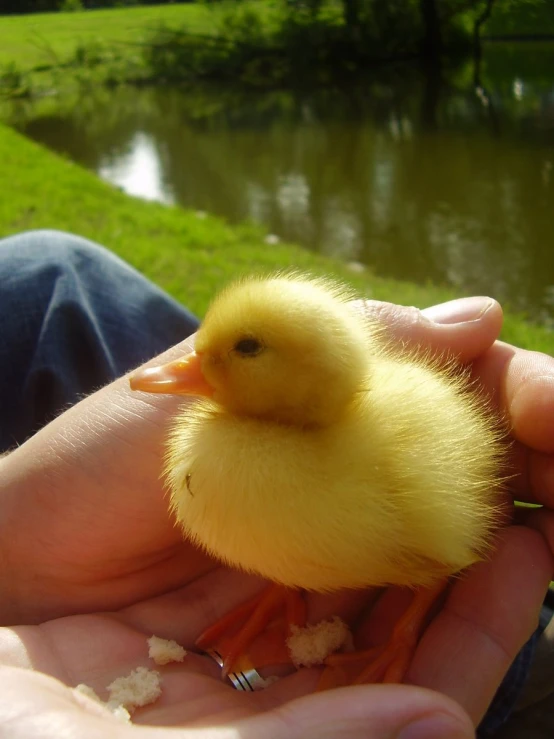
[[370, 712], [465, 328]]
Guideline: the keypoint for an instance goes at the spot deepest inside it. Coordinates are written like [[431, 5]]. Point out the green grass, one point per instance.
[[31, 41], [190, 257]]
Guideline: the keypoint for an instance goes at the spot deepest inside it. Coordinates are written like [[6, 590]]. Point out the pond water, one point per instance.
[[421, 179]]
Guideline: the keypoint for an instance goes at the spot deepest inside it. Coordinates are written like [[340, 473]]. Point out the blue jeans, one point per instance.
[[73, 317]]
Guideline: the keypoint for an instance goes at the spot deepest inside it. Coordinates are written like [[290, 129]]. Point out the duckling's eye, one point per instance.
[[248, 347]]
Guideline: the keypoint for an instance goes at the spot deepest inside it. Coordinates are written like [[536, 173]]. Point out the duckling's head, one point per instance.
[[288, 349]]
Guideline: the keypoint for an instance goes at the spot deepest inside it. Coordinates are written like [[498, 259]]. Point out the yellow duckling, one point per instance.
[[321, 457]]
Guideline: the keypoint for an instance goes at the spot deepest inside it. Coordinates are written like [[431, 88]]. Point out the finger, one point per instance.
[[35, 705], [489, 615], [529, 398], [374, 712], [532, 475], [521, 384], [464, 328], [540, 477], [541, 520]]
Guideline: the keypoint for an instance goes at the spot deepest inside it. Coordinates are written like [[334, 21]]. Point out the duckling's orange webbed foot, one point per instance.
[[254, 634], [388, 663]]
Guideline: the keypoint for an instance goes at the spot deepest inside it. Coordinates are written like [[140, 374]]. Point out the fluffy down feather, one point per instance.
[[326, 457]]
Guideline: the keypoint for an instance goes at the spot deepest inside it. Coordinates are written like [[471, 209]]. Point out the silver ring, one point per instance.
[[251, 680]]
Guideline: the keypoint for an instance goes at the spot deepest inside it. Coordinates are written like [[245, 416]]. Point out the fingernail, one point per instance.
[[458, 311], [437, 726]]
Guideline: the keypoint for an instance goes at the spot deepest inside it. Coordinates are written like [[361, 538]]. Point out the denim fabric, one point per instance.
[[73, 317]]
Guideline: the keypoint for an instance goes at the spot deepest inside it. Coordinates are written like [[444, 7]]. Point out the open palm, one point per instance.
[[484, 619]]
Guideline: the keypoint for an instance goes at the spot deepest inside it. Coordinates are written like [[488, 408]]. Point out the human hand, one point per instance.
[[95, 649], [106, 453], [492, 609]]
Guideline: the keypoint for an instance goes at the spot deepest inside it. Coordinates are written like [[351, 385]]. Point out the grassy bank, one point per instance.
[[37, 40], [46, 52], [190, 256]]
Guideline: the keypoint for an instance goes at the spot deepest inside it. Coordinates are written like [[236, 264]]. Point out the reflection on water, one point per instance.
[[138, 171], [420, 179]]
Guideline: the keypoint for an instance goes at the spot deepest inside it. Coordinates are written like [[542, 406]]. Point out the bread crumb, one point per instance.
[[311, 645], [89, 692], [119, 711], [164, 651], [139, 688]]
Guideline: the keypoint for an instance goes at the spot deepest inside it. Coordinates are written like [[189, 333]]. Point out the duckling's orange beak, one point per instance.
[[180, 377]]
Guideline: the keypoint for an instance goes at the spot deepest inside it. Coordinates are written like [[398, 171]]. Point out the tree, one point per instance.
[[431, 43], [9, 7], [351, 14], [480, 20], [437, 17]]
